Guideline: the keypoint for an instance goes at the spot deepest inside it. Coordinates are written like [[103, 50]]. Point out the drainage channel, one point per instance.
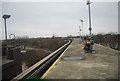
[[38, 69]]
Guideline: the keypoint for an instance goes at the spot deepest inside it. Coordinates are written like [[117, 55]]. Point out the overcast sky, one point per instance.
[[43, 19]]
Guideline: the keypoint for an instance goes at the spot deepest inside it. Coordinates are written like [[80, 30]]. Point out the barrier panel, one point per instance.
[[41, 67]]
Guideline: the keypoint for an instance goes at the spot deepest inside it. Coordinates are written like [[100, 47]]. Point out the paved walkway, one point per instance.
[[102, 65]]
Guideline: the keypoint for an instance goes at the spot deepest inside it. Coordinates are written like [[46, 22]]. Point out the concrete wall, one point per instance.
[[11, 69]]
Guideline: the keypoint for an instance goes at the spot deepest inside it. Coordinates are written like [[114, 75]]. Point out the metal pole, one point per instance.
[[80, 34], [5, 30], [90, 20], [80, 37], [90, 29], [5, 17], [82, 30]]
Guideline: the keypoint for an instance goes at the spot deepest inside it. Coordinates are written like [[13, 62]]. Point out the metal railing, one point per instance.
[[43, 65]]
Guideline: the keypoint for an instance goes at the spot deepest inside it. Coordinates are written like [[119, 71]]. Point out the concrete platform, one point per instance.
[[102, 65]]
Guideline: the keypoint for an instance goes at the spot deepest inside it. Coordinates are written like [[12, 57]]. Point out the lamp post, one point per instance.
[[80, 34], [88, 3], [82, 27], [5, 17]]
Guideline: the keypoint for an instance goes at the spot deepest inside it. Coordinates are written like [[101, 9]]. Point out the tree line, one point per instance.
[[110, 40]]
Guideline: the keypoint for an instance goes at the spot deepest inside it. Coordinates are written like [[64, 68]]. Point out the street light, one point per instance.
[[5, 17], [80, 34], [90, 29], [82, 27], [88, 3]]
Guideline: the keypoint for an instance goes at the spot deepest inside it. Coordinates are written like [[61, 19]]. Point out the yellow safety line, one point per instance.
[[109, 48], [45, 74]]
